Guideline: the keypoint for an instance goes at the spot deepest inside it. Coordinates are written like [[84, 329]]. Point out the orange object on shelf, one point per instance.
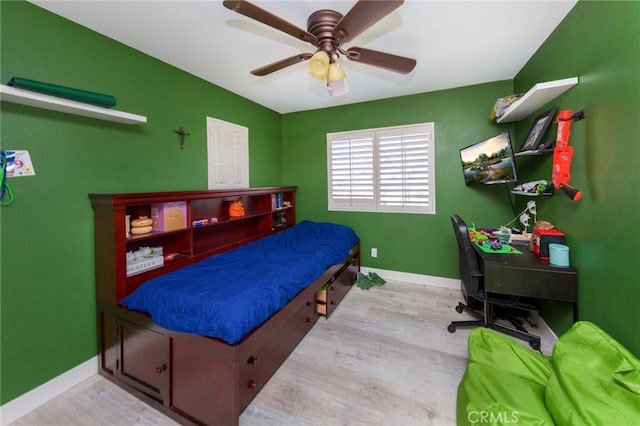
[[236, 208]]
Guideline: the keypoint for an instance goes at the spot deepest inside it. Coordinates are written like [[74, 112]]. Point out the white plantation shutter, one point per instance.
[[389, 170], [227, 155], [351, 171], [404, 169]]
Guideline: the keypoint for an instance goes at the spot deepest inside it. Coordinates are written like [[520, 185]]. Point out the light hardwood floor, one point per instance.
[[384, 357]]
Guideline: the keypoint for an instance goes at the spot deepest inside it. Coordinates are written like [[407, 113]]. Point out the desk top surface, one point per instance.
[[526, 260]]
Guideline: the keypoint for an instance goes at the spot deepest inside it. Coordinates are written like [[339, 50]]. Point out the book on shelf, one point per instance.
[[502, 104], [143, 259]]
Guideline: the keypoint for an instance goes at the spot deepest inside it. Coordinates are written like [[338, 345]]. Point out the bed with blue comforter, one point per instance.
[[228, 295]]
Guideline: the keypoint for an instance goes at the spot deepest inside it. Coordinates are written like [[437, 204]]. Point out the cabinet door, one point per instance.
[[144, 360]]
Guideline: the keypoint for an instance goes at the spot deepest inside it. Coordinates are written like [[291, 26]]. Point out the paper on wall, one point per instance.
[[19, 163]]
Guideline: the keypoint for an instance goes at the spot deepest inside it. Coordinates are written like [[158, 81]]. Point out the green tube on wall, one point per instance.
[[64, 92]]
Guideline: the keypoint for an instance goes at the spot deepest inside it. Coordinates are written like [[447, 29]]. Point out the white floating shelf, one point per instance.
[[40, 100], [539, 95], [533, 152]]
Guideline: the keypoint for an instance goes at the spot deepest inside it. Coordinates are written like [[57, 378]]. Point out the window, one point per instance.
[[227, 155], [382, 170]]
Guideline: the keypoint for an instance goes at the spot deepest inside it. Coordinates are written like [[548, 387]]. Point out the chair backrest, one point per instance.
[[470, 274]]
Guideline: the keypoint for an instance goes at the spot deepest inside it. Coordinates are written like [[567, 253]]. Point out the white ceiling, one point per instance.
[[456, 43]]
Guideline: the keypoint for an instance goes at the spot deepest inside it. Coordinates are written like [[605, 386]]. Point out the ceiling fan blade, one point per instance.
[[254, 12], [268, 69], [387, 61], [362, 15]]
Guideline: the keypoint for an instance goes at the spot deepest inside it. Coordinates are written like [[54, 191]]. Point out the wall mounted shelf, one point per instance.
[[531, 194], [533, 152], [39, 100], [539, 95]]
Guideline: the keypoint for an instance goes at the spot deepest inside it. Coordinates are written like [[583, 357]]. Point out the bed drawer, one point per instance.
[[262, 363], [328, 298]]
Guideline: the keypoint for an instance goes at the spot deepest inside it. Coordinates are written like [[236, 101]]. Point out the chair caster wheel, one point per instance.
[[535, 344], [458, 310], [451, 328]]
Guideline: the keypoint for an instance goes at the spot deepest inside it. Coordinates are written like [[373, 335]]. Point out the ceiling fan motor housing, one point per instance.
[[321, 24], [327, 30]]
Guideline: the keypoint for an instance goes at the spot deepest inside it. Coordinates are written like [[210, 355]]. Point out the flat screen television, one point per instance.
[[489, 161]]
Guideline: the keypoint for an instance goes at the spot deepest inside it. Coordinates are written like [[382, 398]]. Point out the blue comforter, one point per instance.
[[228, 295]]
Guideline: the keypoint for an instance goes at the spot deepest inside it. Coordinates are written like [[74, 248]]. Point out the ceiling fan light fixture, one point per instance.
[[336, 72], [319, 64], [327, 30], [337, 87]]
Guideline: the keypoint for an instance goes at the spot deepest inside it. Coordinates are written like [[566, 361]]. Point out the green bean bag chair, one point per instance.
[[590, 379]]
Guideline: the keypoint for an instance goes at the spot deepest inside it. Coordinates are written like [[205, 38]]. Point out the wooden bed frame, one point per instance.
[[191, 378]]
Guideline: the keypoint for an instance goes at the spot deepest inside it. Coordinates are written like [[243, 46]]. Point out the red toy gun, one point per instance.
[[563, 153]]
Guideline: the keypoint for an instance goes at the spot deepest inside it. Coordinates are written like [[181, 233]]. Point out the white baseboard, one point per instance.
[[408, 277], [542, 324], [16, 408]]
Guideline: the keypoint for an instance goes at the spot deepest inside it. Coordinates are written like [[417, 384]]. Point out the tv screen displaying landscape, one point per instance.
[[489, 161]]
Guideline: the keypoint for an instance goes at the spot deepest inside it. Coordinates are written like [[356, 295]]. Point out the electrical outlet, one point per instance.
[[374, 252]]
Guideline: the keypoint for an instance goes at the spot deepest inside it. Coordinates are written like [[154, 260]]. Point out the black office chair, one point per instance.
[[486, 307]]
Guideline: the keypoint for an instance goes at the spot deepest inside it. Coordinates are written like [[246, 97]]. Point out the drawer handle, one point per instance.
[[160, 369], [309, 303], [252, 360], [253, 384], [332, 288], [333, 302], [309, 319]]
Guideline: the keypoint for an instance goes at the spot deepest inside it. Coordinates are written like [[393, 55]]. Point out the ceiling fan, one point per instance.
[[327, 30]]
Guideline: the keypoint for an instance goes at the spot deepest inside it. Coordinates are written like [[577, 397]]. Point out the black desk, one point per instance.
[[527, 275]]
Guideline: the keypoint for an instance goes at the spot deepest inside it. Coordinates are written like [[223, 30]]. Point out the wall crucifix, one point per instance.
[[182, 133]]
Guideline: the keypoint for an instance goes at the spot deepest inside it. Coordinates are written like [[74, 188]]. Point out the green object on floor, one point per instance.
[[376, 279], [365, 282]]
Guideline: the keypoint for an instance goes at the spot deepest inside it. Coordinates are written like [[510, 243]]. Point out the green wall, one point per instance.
[[599, 42], [47, 309], [47, 296], [416, 243]]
